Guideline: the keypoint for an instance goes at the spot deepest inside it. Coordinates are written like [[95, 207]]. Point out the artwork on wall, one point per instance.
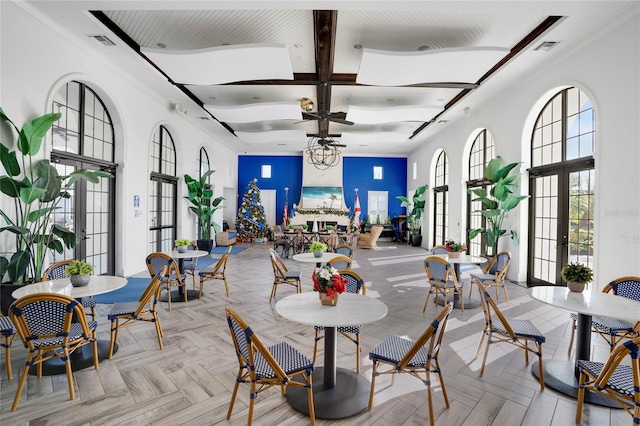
[[322, 197]]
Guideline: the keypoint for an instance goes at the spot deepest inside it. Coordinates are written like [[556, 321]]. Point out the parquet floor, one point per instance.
[[189, 382]]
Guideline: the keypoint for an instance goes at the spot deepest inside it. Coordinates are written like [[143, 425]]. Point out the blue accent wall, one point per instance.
[[286, 171]]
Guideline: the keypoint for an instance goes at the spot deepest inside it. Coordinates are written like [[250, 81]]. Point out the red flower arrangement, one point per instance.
[[327, 280], [451, 245]]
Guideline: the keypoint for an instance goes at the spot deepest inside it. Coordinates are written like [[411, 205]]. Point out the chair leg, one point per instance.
[[506, 293], [441, 377], [580, 397], [95, 352], [429, 396], [23, 379], [424, 308], [358, 353], [273, 291], [252, 400], [169, 298], [573, 333], [233, 395], [201, 287], [315, 345], [373, 383], [7, 355], [158, 330], [540, 373], [480, 343], [486, 352], [67, 367], [226, 285], [312, 411], [114, 336]]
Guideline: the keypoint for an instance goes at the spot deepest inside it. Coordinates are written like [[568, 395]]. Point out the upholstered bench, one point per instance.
[[226, 238]]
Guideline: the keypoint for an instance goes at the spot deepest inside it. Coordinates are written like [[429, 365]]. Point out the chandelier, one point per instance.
[[323, 153]]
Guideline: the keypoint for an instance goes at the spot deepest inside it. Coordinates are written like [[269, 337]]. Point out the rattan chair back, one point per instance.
[[341, 263]]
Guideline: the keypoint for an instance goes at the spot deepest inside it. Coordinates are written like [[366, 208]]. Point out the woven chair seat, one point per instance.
[[287, 356], [189, 266], [6, 327], [524, 328], [75, 333], [608, 325], [345, 329], [207, 270], [394, 348], [293, 274], [125, 308], [448, 284], [621, 380], [483, 277]]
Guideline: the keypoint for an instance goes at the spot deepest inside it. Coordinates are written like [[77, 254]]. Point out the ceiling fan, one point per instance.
[[329, 143], [307, 106]]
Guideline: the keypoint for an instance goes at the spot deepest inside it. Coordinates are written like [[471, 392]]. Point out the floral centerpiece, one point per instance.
[[455, 249], [329, 283]]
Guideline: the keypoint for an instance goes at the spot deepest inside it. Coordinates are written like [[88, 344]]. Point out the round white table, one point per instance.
[[563, 375], [310, 258], [337, 392], [82, 357], [178, 295], [463, 259]]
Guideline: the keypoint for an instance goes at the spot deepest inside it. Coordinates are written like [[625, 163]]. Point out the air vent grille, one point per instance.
[[546, 46], [102, 39]]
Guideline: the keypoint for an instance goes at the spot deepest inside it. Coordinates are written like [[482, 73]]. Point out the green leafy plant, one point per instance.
[[577, 273], [78, 267], [317, 246], [415, 208], [202, 205], [451, 245], [497, 202], [305, 226], [291, 226], [36, 188], [330, 227], [182, 242]]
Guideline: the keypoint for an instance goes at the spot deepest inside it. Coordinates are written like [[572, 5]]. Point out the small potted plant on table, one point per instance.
[[79, 273], [455, 249], [317, 248], [182, 244], [576, 276]]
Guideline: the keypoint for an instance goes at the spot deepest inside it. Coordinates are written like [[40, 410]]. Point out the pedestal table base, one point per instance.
[[178, 296], [81, 358], [349, 397]]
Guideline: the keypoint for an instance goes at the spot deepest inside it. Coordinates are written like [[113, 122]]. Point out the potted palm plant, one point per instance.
[[497, 203], [415, 210], [36, 189], [576, 275], [203, 206]]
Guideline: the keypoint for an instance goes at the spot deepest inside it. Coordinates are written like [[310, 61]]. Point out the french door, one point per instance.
[[562, 212], [89, 212], [162, 212]]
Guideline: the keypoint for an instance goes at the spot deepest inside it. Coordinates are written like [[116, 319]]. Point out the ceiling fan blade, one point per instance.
[[340, 121]]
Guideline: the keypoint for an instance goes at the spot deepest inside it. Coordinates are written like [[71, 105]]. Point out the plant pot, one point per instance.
[[455, 254], [317, 253], [328, 301], [416, 240], [182, 249], [5, 296], [79, 280], [206, 245], [576, 287]]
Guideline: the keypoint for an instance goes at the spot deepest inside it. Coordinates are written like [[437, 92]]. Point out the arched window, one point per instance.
[[163, 191], [203, 162], [83, 138], [482, 151], [561, 186], [441, 200]]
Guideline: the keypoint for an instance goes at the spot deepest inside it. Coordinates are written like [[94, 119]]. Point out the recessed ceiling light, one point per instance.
[[203, 118], [161, 45], [256, 98], [213, 98], [363, 145], [102, 39], [282, 144], [440, 99], [297, 45], [423, 48], [357, 46], [443, 121], [390, 99]]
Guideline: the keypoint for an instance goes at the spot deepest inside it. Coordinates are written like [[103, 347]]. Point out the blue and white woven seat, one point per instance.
[[190, 265], [494, 274], [281, 275], [442, 280], [345, 250], [355, 284], [172, 277], [44, 322], [517, 332], [619, 382], [263, 367], [145, 309], [611, 329], [55, 271], [216, 272], [341, 263], [402, 355], [8, 331]]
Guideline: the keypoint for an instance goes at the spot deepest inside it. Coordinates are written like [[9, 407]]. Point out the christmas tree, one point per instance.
[[250, 221]]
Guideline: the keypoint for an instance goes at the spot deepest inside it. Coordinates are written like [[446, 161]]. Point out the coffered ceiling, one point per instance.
[[381, 76]]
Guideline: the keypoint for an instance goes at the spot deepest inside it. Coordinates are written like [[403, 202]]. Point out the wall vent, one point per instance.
[[102, 39], [546, 46]]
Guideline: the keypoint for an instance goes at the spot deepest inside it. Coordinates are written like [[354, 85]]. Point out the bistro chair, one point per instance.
[[620, 383], [439, 249], [611, 329], [8, 331], [191, 264], [517, 332], [345, 250], [402, 355], [281, 275], [44, 322], [341, 263], [263, 367], [307, 239], [172, 277], [442, 280], [216, 272], [494, 274], [355, 284], [145, 309], [55, 271]]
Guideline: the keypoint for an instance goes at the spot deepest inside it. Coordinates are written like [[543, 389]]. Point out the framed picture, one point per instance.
[[321, 197]]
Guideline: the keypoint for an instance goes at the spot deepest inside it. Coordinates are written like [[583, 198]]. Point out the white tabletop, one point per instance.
[[462, 259], [589, 302], [98, 284], [351, 309], [187, 254], [310, 258]]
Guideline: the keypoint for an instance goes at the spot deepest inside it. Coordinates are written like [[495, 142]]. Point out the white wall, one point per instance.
[[36, 59], [607, 69]]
